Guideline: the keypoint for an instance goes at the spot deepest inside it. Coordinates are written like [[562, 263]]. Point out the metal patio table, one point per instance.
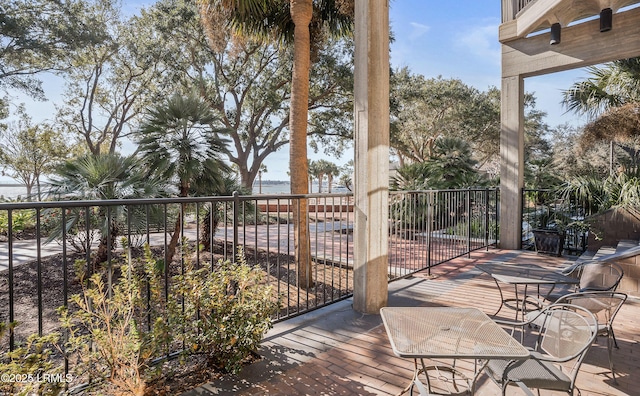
[[448, 333], [523, 274]]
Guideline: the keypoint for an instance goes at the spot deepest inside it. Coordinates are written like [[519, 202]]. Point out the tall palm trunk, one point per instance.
[[301, 12]]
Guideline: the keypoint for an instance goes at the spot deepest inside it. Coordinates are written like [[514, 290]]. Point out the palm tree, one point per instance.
[[176, 141], [612, 85], [312, 170], [302, 23], [618, 191], [317, 169], [261, 170], [611, 98], [100, 177], [332, 170], [451, 164], [324, 168]]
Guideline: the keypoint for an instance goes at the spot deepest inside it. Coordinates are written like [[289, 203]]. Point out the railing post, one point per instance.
[[10, 258], [87, 226], [486, 218], [468, 209], [236, 205], [39, 272], [428, 229]]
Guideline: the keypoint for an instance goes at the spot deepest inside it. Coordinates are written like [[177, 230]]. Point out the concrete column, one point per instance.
[[512, 162], [371, 155]]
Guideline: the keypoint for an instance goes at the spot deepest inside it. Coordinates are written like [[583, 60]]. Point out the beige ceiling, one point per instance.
[[541, 14]]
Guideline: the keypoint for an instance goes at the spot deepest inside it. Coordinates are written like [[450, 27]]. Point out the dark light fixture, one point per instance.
[[555, 34], [606, 19]]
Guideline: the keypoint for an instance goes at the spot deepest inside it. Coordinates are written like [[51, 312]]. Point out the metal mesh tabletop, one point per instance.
[[525, 274], [457, 333]]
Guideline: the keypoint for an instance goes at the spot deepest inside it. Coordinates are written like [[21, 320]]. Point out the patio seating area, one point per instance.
[[337, 351]]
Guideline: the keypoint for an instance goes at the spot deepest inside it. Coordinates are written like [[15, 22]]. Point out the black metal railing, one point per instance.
[[431, 227], [46, 242], [551, 210]]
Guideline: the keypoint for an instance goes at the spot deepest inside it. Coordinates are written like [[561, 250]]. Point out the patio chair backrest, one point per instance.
[[566, 332], [600, 276], [604, 305]]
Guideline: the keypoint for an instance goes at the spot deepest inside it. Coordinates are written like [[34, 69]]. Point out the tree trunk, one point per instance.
[[301, 12], [102, 254], [29, 187], [209, 228], [175, 237]]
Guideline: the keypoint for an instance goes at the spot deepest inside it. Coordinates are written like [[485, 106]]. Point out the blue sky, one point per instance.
[[433, 38], [455, 40], [460, 40]]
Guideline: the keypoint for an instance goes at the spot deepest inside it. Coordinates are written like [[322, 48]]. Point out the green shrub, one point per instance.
[[222, 313], [106, 333], [21, 220], [29, 369], [78, 234]]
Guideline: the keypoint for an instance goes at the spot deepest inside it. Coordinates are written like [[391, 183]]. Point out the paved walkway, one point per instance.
[[337, 351]]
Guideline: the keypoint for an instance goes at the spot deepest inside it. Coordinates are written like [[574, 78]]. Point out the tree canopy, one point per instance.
[[40, 35], [29, 151], [110, 82]]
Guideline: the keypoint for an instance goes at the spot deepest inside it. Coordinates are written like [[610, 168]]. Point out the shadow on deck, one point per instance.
[[337, 351]]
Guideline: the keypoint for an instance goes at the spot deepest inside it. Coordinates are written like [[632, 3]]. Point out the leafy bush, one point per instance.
[[79, 234], [21, 220], [106, 335], [222, 313], [117, 333], [27, 369]]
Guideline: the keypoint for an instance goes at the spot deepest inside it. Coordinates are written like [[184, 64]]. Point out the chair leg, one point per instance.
[[609, 348], [613, 335]]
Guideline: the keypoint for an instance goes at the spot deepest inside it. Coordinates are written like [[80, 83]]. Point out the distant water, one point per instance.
[[13, 191], [285, 188]]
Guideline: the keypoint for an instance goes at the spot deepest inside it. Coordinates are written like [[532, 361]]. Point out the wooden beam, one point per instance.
[[581, 45], [533, 15]]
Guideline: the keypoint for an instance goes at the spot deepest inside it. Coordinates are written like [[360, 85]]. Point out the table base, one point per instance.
[[444, 379]]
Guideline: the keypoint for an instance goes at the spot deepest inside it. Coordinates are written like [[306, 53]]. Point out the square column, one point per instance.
[[511, 162], [371, 212]]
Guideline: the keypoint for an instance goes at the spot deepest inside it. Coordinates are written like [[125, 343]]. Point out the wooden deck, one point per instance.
[[335, 351]]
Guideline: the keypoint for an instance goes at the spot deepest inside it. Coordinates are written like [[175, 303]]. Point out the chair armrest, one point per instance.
[[518, 324], [509, 323], [546, 358], [513, 326]]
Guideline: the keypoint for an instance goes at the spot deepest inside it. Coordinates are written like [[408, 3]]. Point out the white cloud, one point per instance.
[[418, 30], [481, 41]]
